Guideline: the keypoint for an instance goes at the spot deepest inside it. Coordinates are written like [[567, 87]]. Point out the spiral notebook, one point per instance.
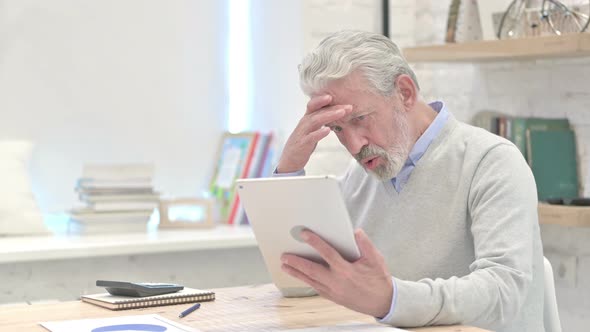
[[113, 302]]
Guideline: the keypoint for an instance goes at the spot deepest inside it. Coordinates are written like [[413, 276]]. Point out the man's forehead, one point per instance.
[[351, 84]]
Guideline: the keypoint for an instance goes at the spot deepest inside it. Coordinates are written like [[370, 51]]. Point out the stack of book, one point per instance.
[[116, 198]]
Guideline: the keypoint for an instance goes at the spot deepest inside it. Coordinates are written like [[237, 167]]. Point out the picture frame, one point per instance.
[[234, 154], [186, 213]]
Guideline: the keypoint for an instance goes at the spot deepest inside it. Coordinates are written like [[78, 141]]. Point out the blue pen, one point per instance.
[[189, 310]]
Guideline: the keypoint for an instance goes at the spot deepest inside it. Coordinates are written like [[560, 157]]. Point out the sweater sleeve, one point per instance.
[[502, 206]]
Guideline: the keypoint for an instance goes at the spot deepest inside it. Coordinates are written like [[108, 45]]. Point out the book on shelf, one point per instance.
[[232, 153], [77, 227], [237, 211], [520, 125], [503, 126], [260, 155], [87, 215], [266, 157], [487, 120], [113, 302], [269, 162], [116, 197], [515, 128], [240, 155], [122, 206], [115, 184], [260, 161], [552, 158], [115, 191], [109, 197], [118, 171]]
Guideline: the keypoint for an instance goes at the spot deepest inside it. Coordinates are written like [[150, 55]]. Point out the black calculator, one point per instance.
[[138, 289]]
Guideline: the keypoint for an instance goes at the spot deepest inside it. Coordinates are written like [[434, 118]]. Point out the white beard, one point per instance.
[[394, 158]]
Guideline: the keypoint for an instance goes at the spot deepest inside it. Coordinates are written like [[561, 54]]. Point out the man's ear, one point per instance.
[[407, 91]]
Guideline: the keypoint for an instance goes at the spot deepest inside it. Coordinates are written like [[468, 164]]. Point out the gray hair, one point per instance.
[[338, 55]]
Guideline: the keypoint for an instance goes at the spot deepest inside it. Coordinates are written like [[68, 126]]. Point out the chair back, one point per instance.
[[550, 313]]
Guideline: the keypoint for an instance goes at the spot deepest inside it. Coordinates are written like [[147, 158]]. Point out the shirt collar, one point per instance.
[[422, 144], [431, 132]]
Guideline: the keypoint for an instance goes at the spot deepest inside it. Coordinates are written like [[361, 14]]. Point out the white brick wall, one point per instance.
[[547, 88]]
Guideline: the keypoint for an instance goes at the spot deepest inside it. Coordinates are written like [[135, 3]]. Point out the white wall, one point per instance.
[[322, 17], [277, 49], [113, 81]]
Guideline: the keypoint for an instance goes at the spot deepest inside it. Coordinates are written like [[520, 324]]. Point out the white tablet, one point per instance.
[[279, 208]]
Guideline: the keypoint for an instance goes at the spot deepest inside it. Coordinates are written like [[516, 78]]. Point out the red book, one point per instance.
[[236, 203]]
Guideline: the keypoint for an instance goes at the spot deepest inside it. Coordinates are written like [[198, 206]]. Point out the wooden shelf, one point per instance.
[[570, 45], [576, 216]]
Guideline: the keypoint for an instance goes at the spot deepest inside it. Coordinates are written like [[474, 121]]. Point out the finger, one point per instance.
[[322, 117], [313, 270], [329, 114], [366, 247], [318, 102], [328, 253], [318, 135], [318, 286]]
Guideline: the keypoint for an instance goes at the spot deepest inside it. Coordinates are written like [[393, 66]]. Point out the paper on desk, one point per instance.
[[352, 326], [124, 323]]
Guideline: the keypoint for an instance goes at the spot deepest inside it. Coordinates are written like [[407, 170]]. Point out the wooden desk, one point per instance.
[[250, 308]]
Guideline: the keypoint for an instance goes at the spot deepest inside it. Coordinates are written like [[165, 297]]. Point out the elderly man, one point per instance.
[[447, 212]]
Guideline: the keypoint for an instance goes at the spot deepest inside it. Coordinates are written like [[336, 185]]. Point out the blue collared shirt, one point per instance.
[[421, 145]]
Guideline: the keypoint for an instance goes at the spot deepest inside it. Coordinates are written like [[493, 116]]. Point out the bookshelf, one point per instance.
[[571, 45]]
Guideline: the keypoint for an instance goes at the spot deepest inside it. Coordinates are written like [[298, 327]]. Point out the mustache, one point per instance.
[[368, 151]]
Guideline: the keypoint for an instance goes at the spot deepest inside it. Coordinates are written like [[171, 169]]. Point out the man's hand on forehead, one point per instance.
[[316, 103], [324, 113], [309, 131]]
